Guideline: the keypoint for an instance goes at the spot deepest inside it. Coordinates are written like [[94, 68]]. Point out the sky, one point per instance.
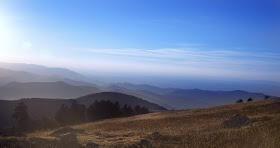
[[229, 39]]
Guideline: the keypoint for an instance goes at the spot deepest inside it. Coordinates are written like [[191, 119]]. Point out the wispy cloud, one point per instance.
[[190, 54], [190, 61]]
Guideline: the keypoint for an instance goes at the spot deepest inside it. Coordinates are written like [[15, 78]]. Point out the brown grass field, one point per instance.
[[187, 128]]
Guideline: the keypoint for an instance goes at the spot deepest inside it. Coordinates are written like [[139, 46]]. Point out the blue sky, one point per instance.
[[234, 39]]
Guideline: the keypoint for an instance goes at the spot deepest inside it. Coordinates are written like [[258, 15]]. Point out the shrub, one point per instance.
[[239, 101], [250, 99], [266, 97]]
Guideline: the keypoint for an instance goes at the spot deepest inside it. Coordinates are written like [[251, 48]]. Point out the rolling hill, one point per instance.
[[201, 127], [121, 98], [42, 107]]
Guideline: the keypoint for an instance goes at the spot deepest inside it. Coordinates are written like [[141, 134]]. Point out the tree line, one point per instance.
[[78, 113], [74, 114]]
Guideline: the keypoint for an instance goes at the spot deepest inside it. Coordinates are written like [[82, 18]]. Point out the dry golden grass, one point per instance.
[[188, 128]]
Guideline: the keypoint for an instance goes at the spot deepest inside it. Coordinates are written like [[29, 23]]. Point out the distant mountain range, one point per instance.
[[173, 98], [7, 76], [20, 72], [35, 81], [60, 85], [59, 73], [170, 98]]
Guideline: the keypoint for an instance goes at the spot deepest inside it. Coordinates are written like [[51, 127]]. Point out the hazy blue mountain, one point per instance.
[[62, 90], [215, 84], [43, 70], [78, 83], [188, 98], [193, 98], [146, 95], [7, 76], [154, 89], [49, 74], [204, 83], [168, 97], [53, 74]]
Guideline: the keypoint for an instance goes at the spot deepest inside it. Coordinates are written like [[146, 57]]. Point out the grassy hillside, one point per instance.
[[187, 128]]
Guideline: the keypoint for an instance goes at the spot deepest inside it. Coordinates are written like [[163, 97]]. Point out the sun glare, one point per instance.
[[6, 37]]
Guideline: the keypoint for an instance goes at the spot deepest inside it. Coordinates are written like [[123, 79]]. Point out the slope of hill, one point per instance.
[[40, 108], [121, 98], [187, 128], [15, 90]]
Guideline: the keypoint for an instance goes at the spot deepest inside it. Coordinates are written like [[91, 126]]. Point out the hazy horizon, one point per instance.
[[221, 40]]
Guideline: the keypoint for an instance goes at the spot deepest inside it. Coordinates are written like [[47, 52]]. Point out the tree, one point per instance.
[[21, 116], [137, 109], [116, 110], [250, 99], [266, 97], [77, 112], [239, 101], [74, 114], [62, 115], [141, 110], [127, 110], [101, 110], [144, 110]]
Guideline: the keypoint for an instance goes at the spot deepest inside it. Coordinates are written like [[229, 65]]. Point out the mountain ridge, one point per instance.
[[59, 89]]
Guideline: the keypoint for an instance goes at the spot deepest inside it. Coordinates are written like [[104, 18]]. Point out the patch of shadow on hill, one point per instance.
[[238, 121]]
